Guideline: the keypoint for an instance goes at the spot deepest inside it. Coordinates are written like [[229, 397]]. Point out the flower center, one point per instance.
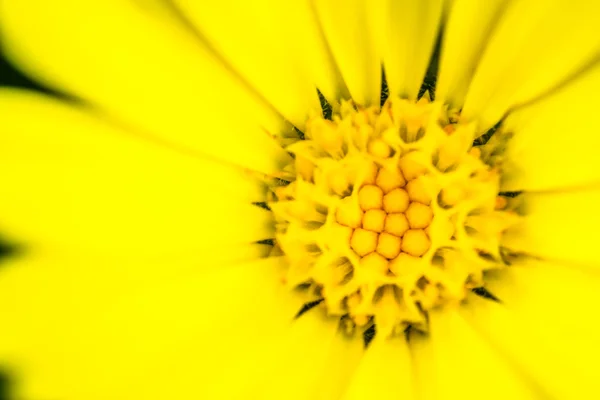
[[386, 213]]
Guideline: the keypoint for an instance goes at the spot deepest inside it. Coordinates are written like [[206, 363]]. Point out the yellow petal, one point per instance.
[[555, 143], [550, 293], [73, 181], [140, 67], [469, 26], [561, 362], [422, 355], [559, 226], [385, 372], [87, 330], [463, 365], [535, 47], [275, 46], [411, 29], [351, 30], [314, 361]]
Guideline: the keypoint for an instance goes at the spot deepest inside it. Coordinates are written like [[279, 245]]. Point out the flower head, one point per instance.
[[307, 199]]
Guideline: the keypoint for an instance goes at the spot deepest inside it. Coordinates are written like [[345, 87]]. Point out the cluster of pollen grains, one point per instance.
[[386, 213]]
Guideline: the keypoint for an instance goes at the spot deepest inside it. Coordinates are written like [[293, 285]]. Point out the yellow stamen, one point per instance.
[[374, 220], [349, 213], [370, 197], [396, 201], [419, 215], [370, 171], [415, 242], [388, 213], [411, 169], [388, 180], [396, 224], [379, 148], [404, 264], [389, 245], [374, 262], [417, 191], [363, 242]]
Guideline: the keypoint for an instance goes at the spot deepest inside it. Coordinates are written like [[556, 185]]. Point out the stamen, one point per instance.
[[370, 197], [415, 242], [396, 224], [419, 215], [389, 179], [396, 201], [374, 220], [389, 212], [363, 241]]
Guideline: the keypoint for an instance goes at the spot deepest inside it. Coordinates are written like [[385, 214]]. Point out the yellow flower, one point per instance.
[[223, 203]]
